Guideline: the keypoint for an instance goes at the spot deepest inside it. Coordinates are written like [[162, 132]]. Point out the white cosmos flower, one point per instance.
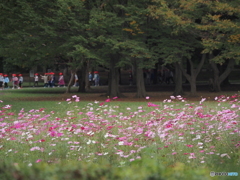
[[120, 143]]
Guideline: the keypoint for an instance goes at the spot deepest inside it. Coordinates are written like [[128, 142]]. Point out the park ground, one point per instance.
[[155, 92]]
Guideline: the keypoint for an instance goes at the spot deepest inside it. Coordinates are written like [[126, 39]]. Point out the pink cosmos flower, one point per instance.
[[110, 127], [147, 97], [122, 138], [192, 156], [115, 97], [39, 160], [152, 105], [172, 97], [188, 145], [37, 148], [107, 100]]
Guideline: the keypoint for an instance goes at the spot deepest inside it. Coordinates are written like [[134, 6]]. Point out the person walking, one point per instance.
[[6, 81], [76, 80], [45, 80], [90, 78], [20, 81], [61, 81], [35, 80], [51, 80], [15, 81], [96, 78]]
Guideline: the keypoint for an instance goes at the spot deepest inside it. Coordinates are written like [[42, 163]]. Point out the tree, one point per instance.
[[118, 27], [40, 32], [208, 22], [23, 42], [222, 40]]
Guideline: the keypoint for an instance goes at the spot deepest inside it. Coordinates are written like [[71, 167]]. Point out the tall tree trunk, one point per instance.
[[217, 78], [193, 85], [141, 90], [215, 83], [82, 72], [194, 73], [178, 80], [70, 81], [65, 73], [113, 85]]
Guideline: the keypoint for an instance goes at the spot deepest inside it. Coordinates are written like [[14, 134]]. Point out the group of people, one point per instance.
[[94, 78], [17, 81], [49, 80]]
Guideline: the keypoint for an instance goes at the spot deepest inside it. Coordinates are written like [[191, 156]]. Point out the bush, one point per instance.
[[149, 169]]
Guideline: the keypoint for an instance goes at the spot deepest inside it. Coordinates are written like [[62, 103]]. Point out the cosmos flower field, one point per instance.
[[175, 130]]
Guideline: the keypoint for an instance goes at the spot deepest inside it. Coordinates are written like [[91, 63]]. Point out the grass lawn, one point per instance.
[[53, 133]]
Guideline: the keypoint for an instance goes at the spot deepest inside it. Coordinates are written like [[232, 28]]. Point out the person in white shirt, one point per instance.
[[45, 79], [20, 81], [76, 80], [35, 80]]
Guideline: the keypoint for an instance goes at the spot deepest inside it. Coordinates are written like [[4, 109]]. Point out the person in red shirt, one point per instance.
[[15, 81]]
